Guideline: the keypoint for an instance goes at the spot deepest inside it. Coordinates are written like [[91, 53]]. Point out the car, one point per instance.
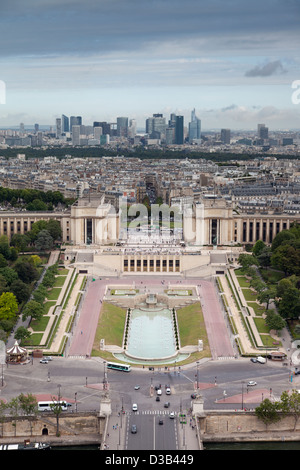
[[297, 372], [134, 407], [133, 429], [161, 421], [167, 404], [251, 383], [158, 391], [157, 398], [172, 415], [168, 391], [137, 387], [48, 358], [253, 359], [44, 361]]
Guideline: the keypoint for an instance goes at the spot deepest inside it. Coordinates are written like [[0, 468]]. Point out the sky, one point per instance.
[[234, 61]]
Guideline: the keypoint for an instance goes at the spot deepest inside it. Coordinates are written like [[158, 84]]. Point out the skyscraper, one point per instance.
[[156, 126], [263, 132], [65, 127], [76, 135], [225, 136], [194, 128], [75, 121], [179, 134], [58, 128], [122, 126]]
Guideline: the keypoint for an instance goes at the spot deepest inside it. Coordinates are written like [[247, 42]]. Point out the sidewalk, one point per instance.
[[115, 432], [187, 435]]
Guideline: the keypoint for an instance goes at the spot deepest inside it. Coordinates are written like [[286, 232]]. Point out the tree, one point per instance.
[[284, 235], [258, 247], [28, 404], [44, 241], [33, 309], [22, 334], [36, 260], [8, 306], [290, 404], [54, 228], [9, 275], [3, 261], [274, 321], [20, 289], [36, 205], [20, 241], [287, 259], [264, 258], [289, 304], [26, 271], [268, 412], [247, 260], [285, 284], [265, 295]]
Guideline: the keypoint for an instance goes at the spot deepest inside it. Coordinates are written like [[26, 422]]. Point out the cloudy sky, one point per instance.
[[234, 61]]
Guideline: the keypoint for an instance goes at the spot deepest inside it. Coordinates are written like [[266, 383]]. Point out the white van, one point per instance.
[[261, 359], [158, 391]]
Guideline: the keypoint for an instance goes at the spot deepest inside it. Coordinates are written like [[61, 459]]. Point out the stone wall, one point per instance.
[[70, 424], [229, 426]]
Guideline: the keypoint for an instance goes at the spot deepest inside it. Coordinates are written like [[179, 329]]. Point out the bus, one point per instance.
[[49, 405], [116, 366]]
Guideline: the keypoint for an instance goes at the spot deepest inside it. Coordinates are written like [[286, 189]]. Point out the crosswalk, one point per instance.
[[154, 412], [226, 358]]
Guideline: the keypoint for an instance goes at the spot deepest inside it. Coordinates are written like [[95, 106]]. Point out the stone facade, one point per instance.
[[92, 221]]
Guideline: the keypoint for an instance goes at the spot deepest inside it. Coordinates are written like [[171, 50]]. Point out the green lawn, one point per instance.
[[261, 325], [63, 271], [48, 305], [243, 281], [250, 295], [258, 309], [111, 325], [191, 325], [59, 281], [53, 294], [40, 325]]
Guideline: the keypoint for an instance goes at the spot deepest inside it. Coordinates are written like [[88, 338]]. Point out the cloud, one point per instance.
[[271, 68]]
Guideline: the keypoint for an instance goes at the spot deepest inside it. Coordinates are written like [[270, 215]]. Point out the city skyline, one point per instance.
[[233, 62]]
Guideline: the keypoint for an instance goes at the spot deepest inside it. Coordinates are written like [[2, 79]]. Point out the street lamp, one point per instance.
[[243, 395]]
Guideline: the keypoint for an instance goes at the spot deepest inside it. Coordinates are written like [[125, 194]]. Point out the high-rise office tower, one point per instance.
[[179, 130], [98, 132], [132, 128], [76, 135], [36, 128], [65, 126], [105, 127], [194, 128], [58, 128], [225, 136], [262, 131], [122, 126], [156, 126], [75, 121]]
